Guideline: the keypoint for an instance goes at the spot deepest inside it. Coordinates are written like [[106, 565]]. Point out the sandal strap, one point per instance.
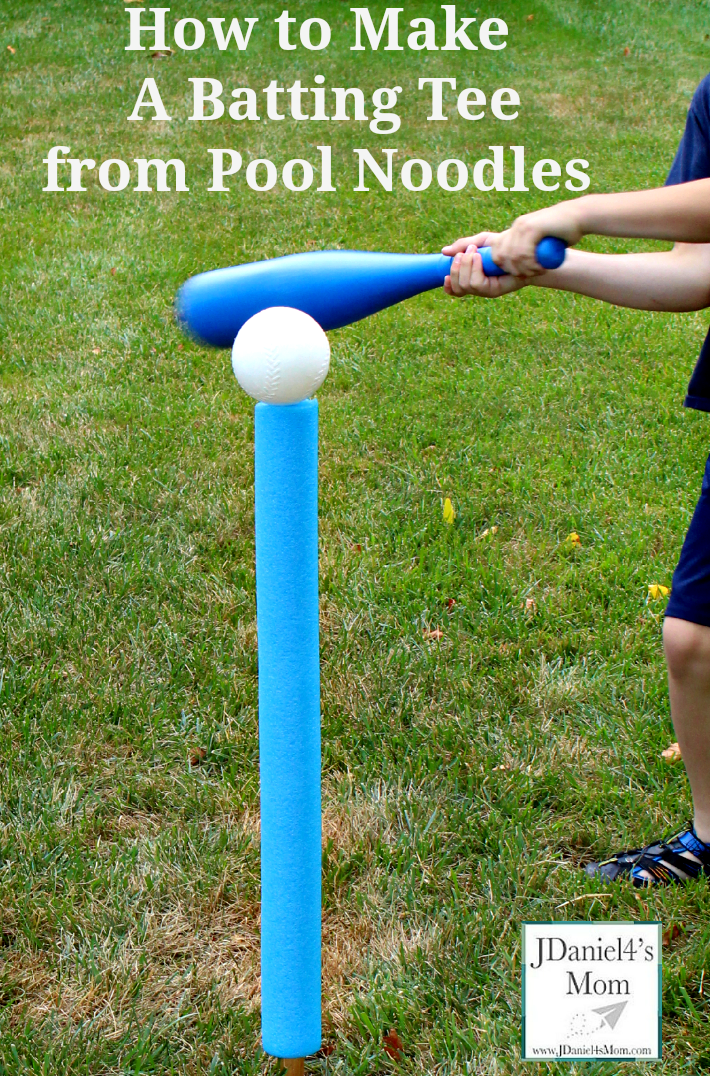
[[692, 843], [658, 859], [653, 867], [659, 862]]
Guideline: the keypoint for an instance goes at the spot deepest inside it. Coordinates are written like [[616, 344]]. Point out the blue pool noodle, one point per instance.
[[336, 287], [286, 506]]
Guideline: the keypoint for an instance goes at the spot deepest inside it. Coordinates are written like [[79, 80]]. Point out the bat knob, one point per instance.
[[550, 253]]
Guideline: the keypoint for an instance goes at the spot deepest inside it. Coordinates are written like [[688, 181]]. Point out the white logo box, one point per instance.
[[591, 991]]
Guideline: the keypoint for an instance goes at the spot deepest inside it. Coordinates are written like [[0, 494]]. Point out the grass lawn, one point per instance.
[[466, 776]]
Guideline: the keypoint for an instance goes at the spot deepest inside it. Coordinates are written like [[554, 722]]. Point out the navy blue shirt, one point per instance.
[[692, 161]]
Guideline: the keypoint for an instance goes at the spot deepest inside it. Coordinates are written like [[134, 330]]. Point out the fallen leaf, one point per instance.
[[573, 538], [449, 512], [356, 547], [671, 933], [181, 347], [95, 351], [486, 532], [10, 49], [529, 18], [530, 603], [113, 271], [450, 603], [672, 753], [435, 633], [393, 1045], [326, 1050], [162, 54], [198, 756], [627, 51], [657, 590], [503, 766]]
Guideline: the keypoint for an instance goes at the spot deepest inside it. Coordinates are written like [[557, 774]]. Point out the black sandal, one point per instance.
[[663, 861]]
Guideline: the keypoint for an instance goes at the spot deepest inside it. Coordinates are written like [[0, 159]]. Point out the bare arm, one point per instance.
[[675, 280], [679, 213]]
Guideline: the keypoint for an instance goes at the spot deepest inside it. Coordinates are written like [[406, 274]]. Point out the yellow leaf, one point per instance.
[[449, 512], [657, 590], [573, 538], [672, 753]]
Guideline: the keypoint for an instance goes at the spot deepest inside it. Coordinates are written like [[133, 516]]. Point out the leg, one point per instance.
[[686, 637], [687, 648]]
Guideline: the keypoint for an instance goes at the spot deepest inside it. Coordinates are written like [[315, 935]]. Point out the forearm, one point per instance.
[[674, 280], [679, 213]]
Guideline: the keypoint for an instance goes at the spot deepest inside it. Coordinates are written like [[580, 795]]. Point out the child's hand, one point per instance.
[[514, 249], [467, 276], [483, 239]]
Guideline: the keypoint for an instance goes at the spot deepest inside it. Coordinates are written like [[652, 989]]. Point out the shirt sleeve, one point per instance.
[[692, 161]]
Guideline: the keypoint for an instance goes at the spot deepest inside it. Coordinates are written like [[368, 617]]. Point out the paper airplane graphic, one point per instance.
[[610, 1013]]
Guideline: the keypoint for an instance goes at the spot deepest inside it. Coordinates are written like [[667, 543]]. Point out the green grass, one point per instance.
[[465, 779]]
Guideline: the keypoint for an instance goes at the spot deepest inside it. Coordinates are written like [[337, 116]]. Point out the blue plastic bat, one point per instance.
[[336, 287]]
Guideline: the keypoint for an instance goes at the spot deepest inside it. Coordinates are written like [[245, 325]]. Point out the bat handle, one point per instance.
[[550, 254]]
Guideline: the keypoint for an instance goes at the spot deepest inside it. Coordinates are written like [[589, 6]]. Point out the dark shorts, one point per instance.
[[690, 595]]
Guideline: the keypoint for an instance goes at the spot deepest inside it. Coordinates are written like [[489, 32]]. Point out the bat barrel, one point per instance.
[[286, 509], [336, 287]]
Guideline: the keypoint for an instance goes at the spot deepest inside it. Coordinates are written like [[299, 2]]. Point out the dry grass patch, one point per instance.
[[174, 957]]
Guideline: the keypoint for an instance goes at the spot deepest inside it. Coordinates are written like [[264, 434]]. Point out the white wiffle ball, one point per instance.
[[281, 356]]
